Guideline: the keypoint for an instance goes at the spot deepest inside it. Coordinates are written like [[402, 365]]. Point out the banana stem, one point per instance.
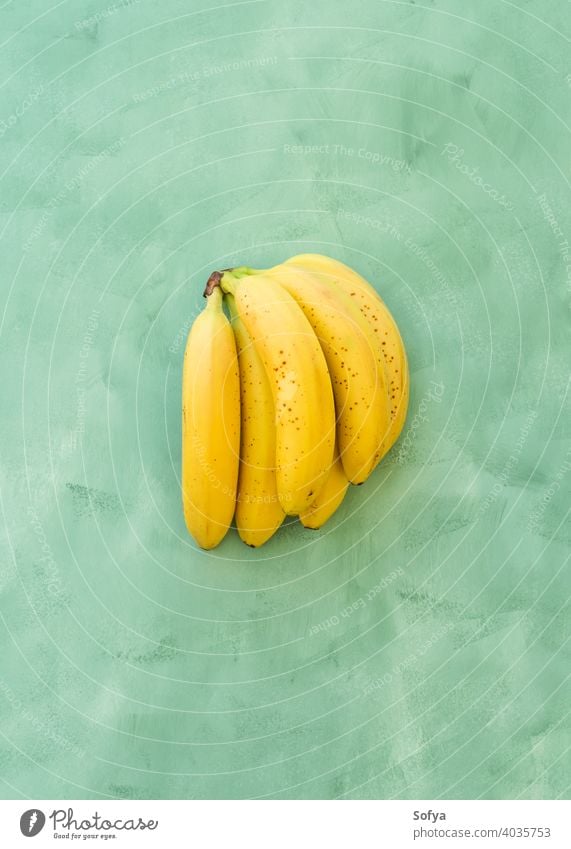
[[214, 299], [228, 283], [246, 271], [227, 278], [212, 283], [240, 271]]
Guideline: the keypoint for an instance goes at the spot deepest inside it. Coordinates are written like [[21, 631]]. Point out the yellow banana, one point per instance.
[[301, 389], [356, 367], [329, 499], [258, 510], [210, 425], [383, 324]]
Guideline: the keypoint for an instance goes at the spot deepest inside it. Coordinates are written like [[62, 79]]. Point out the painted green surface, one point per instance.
[[418, 646]]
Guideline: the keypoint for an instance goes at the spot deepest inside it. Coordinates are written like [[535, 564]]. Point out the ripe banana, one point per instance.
[[210, 425], [330, 497], [383, 324], [301, 388], [258, 510], [356, 367]]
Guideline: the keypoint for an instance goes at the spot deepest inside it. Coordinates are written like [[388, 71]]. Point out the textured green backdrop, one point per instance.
[[418, 646]]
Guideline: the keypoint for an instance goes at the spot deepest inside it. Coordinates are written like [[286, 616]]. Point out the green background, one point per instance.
[[417, 647]]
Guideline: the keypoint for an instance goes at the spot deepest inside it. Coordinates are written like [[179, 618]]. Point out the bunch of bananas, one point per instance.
[[300, 393]]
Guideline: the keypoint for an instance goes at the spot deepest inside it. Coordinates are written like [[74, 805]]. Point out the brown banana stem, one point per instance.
[[212, 282]]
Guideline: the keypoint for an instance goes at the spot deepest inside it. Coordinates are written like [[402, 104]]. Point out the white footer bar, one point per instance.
[[286, 824]]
